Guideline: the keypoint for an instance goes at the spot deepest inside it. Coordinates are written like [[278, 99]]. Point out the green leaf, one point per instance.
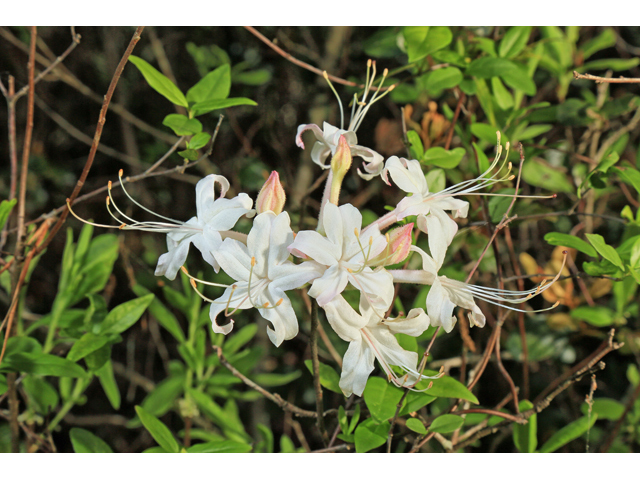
[[182, 125], [605, 40], [221, 416], [606, 251], [84, 441], [224, 446], [487, 67], [442, 78], [416, 425], [596, 315], [5, 210], [42, 396], [85, 345], [329, 378], [161, 399], [533, 131], [370, 435], [210, 105], [605, 408], [158, 430], [243, 336], [41, 364], [3, 385], [501, 94], [162, 314], [159, 82], [436, 180], [189, 154], [634, 259], [485, 132], [564, 240], [439, 157], [276, 379], [415, 401], [215, 85], [525, 436], [518, 78], [446, 386], [198, 141], [570, 432], [417, 150], [537, 173], [109, 385], [381, 398], [615, 64], [96, 360], [125, 315], [514, 41], [421, 41], [630, 176], [446, 423]]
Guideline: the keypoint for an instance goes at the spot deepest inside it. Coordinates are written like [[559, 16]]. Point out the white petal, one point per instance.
[[281, 238], [344, 320], [414, 324], [289, 275], [314, 128], [377, 285], [282, 317], [357, 365], [234, 259], [440, 229], [407, 174], [205, 193], [317, 247], [226, 212], [330, 284], [440, 307], [208, 242], [170, 262], [258, 242]]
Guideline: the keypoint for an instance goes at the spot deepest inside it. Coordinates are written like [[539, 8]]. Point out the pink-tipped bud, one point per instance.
[[271, 196], [341, 160], [398, 247]]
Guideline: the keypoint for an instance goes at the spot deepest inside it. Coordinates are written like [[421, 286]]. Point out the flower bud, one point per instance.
[[340, 165], [398, 247], [271, 196]]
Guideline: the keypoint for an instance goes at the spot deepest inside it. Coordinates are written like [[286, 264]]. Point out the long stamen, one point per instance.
[[120, 173], [186, 272], [326, 77], [88, 222]]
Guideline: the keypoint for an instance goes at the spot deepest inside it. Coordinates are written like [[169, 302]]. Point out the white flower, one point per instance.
[[371, 337], [263, 273], [213, 216], [327, 143], [344, 254], [407, 174], [328, 137]]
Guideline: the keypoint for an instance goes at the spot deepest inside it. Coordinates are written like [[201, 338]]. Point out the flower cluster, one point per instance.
[[340, 254]]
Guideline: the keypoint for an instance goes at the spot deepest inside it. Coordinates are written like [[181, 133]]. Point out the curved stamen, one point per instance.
[[120, 173], [186, 272], [88, 222], [326, 77]]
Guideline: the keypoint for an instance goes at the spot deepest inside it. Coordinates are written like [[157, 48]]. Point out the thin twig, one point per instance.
[[275, 398], [313, 343], [305, 65], [588, 76], [96, 138], [455, 118]]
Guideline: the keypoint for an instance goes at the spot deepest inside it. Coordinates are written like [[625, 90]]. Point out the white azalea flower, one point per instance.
[[327, 138], [407, 174], [263, 273], [344, 254], [213, 216], [371, 337], [446, 293]]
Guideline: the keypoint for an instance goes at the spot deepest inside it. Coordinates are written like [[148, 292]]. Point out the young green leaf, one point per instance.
[[446, 386], [159, 82], [83, 441], [329, 378], [446, 423], [442, 78], [564, 240], [5, 210], [421, 41], [525, 436], [209, 105], [158, 431], [607, 251], [381, 398], [223, 446], [85, 345], [370, 435], [109, 385], [41, 364], [514, 41], [215, 85], [198, 141], [568, 433], [439, 157], [605, 408], [182, 125], [596, 315], [416, 425], [125, 315], [162, 314]]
